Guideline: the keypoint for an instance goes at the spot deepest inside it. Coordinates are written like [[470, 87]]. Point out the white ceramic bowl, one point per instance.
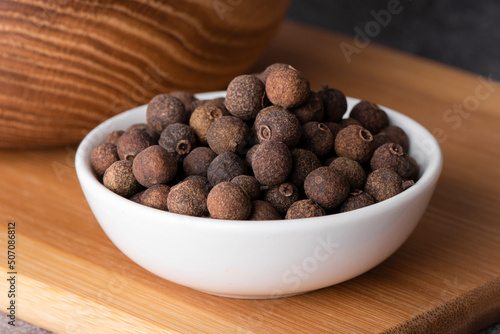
[[260, 259]]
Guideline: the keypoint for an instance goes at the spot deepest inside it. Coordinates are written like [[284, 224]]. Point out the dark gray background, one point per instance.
[[461, 33], [464, 34]]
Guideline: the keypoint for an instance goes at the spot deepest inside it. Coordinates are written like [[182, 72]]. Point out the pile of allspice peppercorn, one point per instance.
[[271, 149]]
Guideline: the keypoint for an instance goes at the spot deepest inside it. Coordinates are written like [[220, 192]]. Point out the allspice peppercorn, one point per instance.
[[415, 169], [282, 196], [225, 167], [227, 134], [187, 198], [354, 142], [178, 139], [317, 138], [334, 128], [383, 184], [287, 87], [397, 135], [113, 137], [198, 160], [305, 208], [154, 165], [351, 170], [102, 157], [311, 110], [345, 122], [132, 142], [370, 116], [202, 180], [334, 102], [271, 163], [249, 156], [303, 162], [392, 156], [204, 115], [146, 127], [137, 197], [356, 200], [326, 187], [165, 109], [156, 196], [264, 74], [249, 184], [120, 179], [228, 200], [245, 96], [278, 125], [186, 98], [262, 210]]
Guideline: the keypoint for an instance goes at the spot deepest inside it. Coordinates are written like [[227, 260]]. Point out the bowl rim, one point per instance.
[[428, 177]]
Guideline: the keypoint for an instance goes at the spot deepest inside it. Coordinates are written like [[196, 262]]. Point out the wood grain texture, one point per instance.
[[444, 279], [65, 66]]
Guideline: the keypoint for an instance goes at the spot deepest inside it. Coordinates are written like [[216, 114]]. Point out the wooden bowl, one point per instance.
[[65, 66]]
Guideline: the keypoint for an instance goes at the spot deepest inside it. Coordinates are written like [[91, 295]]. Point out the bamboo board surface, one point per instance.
[[444, 279]]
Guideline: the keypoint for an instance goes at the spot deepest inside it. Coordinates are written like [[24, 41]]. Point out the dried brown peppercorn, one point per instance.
[[204, 115], [156, 196], [154, 165], [344, 123], [245, 96], [305, 208], [271, 163], [398, 136], [351, 170], [264, 74], [277, 125], [227, 134], [113, 137], [102, 157], [229, 201], [249, 184], [303, 162], [357, 199], [282, 196], [317, 138], [146, 127], [132, 142], [334, 128], [137, 197], [202, 180], [287, 87], [262, 210], [120, 179], [407, 184], [225, 167], [178, 139], [383, 184], [196, 103], [198, 160], [370, 116], [187, 198], [382, 138], [249, 156], [326, 187], [311, 110], [186, 98], [165, 109], [414, 170], [334, 102], [392, 156], [354, 142]]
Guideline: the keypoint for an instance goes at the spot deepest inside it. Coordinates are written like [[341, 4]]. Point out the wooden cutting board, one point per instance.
[[444, 279]]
